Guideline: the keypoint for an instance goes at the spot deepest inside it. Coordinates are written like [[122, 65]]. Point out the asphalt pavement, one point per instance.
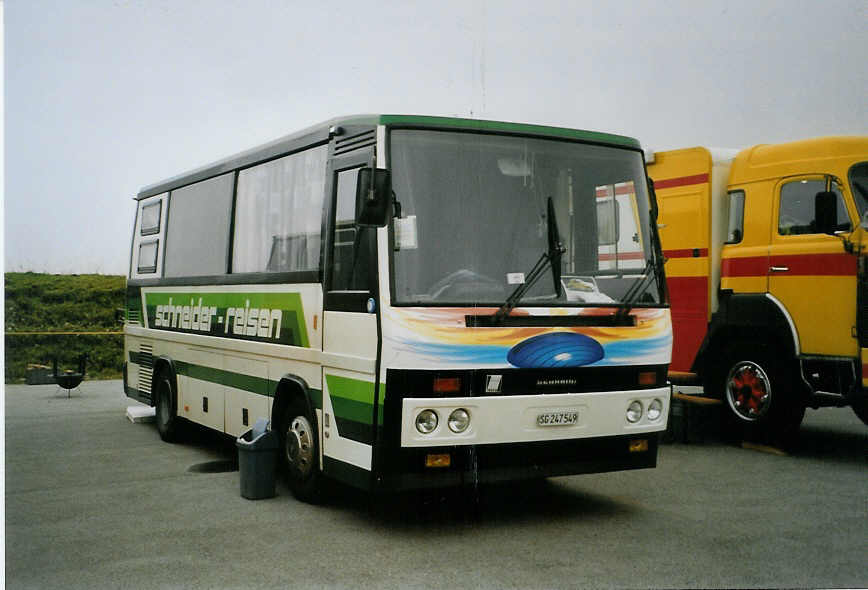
[[95, 501]]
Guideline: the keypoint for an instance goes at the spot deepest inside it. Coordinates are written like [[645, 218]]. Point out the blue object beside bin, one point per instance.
[[257, 458]]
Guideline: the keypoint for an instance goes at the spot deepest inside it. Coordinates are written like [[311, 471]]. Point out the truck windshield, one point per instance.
[[859, 187], [474, 220]]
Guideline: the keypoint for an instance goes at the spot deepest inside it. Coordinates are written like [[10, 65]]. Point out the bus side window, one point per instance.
[[149, 237], [352, 246]]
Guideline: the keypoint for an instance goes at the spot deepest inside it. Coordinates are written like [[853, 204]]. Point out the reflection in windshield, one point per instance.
[[474, 219]]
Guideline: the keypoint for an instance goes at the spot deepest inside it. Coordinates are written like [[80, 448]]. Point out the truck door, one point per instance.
[[810, 273], [350, 337]]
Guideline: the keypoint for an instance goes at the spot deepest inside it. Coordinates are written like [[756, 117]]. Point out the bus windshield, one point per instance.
[[473, 223]]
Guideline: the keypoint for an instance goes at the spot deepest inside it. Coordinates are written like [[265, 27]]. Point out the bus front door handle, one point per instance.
[[779, 269]]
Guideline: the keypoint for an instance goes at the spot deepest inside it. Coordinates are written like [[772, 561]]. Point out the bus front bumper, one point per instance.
[[486, 464], [535, 418]]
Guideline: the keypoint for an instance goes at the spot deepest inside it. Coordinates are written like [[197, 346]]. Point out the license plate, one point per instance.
[[557, 419]]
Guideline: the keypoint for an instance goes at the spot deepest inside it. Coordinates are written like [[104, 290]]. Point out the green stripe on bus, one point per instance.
[[476, 124], [260, 385], [353, 410], [354, 399], [250, 383], [316, 398]]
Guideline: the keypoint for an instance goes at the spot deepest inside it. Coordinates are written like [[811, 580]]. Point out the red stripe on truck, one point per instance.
[[680, 181], [686, 253], [796, 265], [688, 297]]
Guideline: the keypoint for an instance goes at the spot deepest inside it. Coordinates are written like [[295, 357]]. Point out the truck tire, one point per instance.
[[760, 394], [300, 452], [166, 400], [860, 408]]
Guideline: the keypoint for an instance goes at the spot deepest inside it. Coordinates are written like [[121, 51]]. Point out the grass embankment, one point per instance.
[[63, 303]]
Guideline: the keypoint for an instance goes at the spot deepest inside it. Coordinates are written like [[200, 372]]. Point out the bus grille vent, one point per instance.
[[348, 144], [146, 369], [134, 317]]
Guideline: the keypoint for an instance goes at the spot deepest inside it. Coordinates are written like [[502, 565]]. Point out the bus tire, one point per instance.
[[166, 400], [761, 395], [300, 451]]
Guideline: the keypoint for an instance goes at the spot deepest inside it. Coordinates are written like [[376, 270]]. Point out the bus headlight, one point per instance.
[[459, 420], [634, 412], [655, 409], [426, 421]]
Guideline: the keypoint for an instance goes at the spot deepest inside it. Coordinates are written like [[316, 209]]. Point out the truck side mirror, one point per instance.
[[373, 195], [826, 212]]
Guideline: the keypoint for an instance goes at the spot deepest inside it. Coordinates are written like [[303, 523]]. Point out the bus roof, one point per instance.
[[321, 133]]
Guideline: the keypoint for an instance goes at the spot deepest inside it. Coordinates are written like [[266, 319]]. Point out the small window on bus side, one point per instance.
[[149, 232], [735, 230], [796, 215], [278, 214], [151, 218], [148, 257]]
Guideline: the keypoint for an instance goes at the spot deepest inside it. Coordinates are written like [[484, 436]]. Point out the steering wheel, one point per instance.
[[466, 284]]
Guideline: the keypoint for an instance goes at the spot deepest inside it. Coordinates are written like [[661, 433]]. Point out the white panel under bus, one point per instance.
[[513, 418]]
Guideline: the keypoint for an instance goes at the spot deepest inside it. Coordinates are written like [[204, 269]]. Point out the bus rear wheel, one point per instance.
[[300, 444], [166, 401]]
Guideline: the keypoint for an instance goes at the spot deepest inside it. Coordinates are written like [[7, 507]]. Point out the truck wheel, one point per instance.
[[300, 445], [860, 408], [761, 394], [166, 401]]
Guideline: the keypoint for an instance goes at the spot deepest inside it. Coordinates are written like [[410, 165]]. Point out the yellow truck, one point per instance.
[[766, 268]]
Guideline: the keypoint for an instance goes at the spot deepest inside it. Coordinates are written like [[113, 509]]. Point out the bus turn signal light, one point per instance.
[[442, 460], [447, 384], [648, 378], [638, 446]]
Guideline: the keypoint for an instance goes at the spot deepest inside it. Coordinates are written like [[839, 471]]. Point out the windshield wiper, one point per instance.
[[653, 266], [638, 288], [550, 257]]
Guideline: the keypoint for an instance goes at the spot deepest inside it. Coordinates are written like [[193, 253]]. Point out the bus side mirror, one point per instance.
[[826, 212], [373, 195]]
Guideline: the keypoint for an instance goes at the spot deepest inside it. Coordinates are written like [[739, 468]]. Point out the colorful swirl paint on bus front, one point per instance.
[[438, 337]]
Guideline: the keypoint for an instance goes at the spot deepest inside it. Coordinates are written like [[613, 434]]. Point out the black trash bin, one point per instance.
[[257, 456]]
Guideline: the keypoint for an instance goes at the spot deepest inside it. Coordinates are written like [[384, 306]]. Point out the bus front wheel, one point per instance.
[[301, 452]]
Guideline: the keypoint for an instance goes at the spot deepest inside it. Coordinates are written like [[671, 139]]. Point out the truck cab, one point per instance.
[[765, 262]]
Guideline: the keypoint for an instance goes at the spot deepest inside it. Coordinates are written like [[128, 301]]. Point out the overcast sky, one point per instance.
[[104, 97]]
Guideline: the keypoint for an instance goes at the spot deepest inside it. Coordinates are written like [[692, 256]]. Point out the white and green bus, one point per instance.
[[413, 302]]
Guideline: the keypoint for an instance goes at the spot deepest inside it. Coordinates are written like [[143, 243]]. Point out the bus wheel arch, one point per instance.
[[289, 388]]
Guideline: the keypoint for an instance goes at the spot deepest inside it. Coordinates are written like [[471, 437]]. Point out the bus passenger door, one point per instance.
[[349, 331]]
